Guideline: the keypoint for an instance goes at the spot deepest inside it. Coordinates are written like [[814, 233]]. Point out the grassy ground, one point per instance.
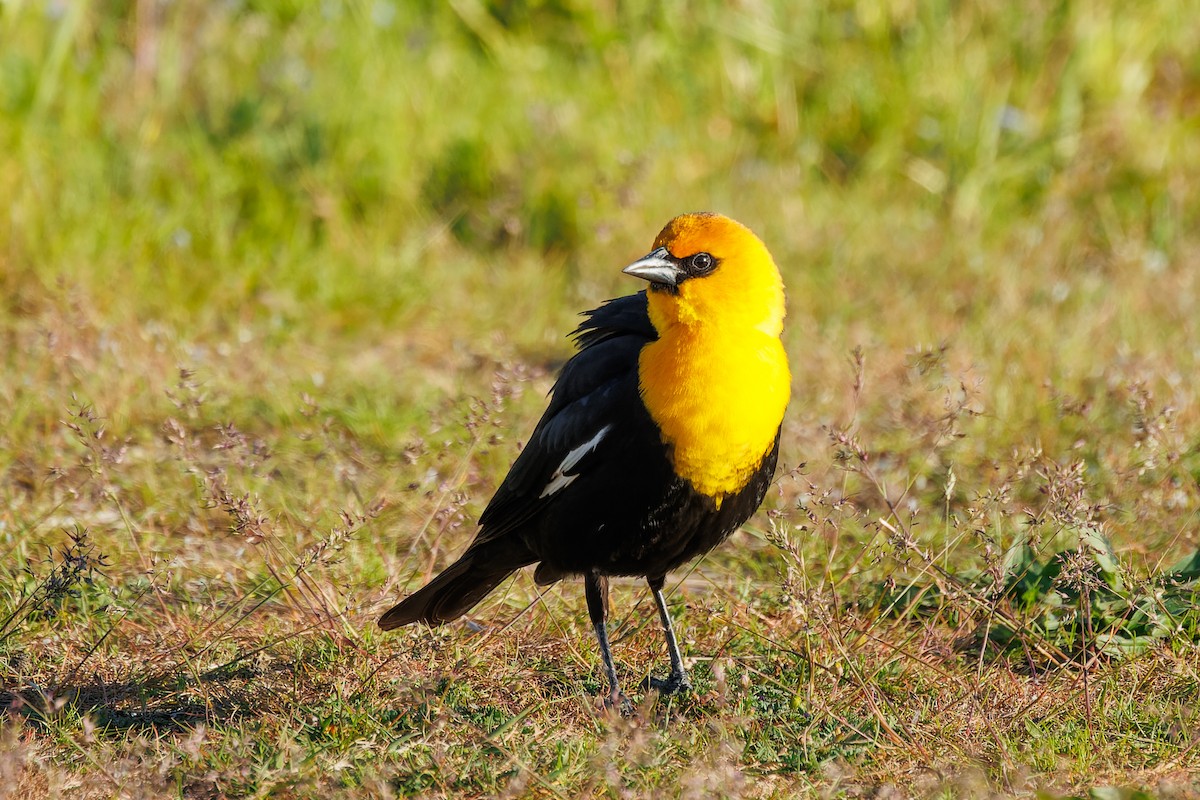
[[282, 286]]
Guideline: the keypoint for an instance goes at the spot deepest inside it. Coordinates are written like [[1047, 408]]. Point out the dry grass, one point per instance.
[[228, 638], [269, 344]]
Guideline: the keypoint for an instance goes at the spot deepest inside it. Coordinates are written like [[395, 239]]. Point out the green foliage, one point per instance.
[[1073, 599], [75, 567], [311, 267], [458, 186]]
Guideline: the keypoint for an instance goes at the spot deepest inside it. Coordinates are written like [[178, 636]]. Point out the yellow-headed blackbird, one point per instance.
[[660, 439]]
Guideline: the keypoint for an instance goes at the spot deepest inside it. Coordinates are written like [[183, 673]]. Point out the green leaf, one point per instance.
[[1018, 559], [1115, 644], [1185, 570], [1102, 553]]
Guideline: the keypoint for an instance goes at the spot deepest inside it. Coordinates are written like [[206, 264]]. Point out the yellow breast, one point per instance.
[[718, 399], [716, 380]]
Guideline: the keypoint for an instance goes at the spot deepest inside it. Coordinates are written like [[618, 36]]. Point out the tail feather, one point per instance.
[[454, 592]]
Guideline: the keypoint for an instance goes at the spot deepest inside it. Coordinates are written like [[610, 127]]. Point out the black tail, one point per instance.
[[456, 590]]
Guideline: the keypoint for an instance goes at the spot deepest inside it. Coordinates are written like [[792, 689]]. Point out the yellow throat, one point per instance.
[[716, 382]]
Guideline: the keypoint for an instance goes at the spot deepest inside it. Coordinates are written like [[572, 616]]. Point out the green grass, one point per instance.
[[283, 287]]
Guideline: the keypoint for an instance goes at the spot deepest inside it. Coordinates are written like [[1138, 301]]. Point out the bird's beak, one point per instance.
[[657, 267]]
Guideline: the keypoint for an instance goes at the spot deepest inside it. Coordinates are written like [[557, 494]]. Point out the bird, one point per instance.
[[660, 438]]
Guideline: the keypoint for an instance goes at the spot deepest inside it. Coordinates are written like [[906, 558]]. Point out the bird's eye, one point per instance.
[[702, 263]]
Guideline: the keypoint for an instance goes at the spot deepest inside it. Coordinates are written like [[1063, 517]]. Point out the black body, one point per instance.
[[625, 512]]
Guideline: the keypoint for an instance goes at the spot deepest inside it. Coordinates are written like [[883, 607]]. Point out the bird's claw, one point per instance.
[[670, 686], [617, 701]]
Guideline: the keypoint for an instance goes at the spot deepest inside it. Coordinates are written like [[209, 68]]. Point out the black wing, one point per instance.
[[592, 390]]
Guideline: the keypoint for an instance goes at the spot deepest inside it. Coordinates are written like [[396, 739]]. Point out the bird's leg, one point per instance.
[[595, 588], [677, 681]]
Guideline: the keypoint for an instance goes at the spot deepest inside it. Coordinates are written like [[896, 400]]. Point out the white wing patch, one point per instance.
[[561, 479]]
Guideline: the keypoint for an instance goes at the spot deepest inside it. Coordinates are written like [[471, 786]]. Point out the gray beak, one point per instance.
[[657, 267]]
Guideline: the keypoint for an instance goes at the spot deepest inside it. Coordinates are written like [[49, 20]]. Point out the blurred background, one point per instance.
[[285, 279], [375, 199], [368, 171], [359, 164]]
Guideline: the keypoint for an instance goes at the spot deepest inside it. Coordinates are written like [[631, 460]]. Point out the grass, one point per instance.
[[282, 286]]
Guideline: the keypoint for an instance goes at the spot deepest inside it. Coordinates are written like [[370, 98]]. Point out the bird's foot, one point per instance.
[[618, 702], [673, 684]]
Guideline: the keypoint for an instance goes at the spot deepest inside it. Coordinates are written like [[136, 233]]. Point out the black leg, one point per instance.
[[677, 681], [595, 588]]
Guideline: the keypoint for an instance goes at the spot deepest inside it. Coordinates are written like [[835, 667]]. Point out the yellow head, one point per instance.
[[705, 270]]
